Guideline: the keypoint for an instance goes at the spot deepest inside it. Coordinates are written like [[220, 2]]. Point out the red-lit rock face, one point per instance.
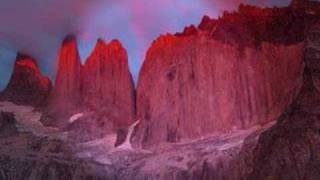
[[107, 85], [193, 86], [27, 85], [66, 92], [102, 88], [231, 73]]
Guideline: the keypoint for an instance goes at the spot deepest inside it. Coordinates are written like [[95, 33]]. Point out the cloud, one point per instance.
[[37, 26]]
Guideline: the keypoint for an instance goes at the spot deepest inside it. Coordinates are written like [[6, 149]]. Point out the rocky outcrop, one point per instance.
[[231, 73], [102, 90], [290, 149], [7, 125], [25, 156], [107, 93], [66, 93], [65, 98], [27, 85], [107, 86]]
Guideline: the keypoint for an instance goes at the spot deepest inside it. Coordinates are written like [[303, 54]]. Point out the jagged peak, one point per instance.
[[205, 18], [26, 60], [163, 38], [101, 41], [115, 43], [190, 30], [207, 23], [22, 56], [70, 38], [103, 48], [298, 2], [69, 42], [100, 44]]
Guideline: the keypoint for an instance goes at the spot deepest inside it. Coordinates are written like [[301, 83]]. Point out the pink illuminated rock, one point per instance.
[[107, 86], [231, 73], [191, 87], [66, 92]]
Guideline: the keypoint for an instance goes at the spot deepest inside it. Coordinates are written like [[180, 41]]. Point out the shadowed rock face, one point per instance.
[[107, 86], [291, 149], [27, 85], [231, 73], [7, 125]]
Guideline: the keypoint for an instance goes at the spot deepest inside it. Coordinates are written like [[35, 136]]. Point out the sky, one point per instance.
[[37, 27]]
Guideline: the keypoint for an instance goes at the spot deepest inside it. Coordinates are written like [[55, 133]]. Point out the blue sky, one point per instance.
[[37, 27]]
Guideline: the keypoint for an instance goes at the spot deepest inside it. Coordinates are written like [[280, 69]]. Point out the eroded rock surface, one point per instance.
[[65, 98], [290, 149], [7, 124], [107, 86], [287, 149], [231, 73]]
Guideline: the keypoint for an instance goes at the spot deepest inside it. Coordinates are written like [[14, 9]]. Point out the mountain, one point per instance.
[[241, 70], [101, 90], [292, 145], [27, 85], [65, 97], [107, 86], [234, 98]]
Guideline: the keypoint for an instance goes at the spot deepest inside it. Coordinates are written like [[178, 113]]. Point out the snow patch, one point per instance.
[[230, 145], [103, 159], [27, 119], [75, 117], [127, 145], [108, 140]]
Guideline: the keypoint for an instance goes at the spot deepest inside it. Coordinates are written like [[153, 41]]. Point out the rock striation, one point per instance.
[[66, 92], [7, 125], [102, 89], [229, 73], [290, 149], [27, 85], [107, 86], [252, 75]]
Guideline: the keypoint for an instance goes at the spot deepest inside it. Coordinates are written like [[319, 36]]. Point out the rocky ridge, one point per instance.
[[257, 148], [101, 89], [226, 74]]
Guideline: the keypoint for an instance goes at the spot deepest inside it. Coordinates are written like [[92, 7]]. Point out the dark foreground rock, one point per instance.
[[27, 85], [24, 155], [7, 125], [291, 149]]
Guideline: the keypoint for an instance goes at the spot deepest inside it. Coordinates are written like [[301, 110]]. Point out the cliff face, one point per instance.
[[236, 72], [101, 90], [292, 145], [27, 85], [107, 86], [66, 92], [225, 75]]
